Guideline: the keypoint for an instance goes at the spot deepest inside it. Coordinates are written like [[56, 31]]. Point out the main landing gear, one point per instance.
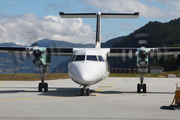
[[84, 91], [42, 84], [141, 85]]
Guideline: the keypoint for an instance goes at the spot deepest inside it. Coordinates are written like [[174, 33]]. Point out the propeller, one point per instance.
[[22, 56], [143, 54], [37, 53], [142, 39]]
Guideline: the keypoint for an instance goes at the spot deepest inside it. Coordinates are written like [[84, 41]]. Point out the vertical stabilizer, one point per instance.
[[99, 15], [98, 31]]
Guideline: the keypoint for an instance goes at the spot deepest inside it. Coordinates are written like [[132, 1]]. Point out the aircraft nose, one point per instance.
[[84, 75]]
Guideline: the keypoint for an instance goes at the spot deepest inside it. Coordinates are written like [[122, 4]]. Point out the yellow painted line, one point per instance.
[[107, 85], [103, 87], [2, 84], [32, 98]]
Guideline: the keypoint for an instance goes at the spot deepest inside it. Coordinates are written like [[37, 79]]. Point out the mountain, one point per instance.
[[160, 34], [6, 62], [9, 44], [55, 43], [110, 42]]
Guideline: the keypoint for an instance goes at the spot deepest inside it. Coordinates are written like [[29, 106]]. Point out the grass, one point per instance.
[[53, 76], [176, 72], [33, 76], [137, 75]]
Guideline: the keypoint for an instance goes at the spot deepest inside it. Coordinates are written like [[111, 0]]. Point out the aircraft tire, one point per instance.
[[40, 87], [138, 88], [87, 92], [144, 88], [82, 92], [46, 87]]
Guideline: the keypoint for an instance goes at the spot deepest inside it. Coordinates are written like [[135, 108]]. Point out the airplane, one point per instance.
[[89, 66]]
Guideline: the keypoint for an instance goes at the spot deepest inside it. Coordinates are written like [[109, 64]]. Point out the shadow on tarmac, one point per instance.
[[56, 92], [121, 92], [69, 92]]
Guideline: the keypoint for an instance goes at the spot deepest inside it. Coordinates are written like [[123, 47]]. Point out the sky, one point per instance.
[[26, 21]]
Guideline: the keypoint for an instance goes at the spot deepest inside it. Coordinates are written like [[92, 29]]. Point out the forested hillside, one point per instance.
[[160, 35]]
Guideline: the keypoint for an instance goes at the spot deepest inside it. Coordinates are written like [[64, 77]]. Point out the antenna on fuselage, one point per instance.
[[99, 15]]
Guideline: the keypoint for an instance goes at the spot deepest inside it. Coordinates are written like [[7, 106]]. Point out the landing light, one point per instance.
[[37, 62], [142, 63]]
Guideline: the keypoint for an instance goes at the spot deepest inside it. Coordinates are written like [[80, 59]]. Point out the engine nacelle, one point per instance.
[[142, 58], [40, 57]]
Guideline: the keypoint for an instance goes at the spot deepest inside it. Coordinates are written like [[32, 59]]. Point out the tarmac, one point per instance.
[[111, 99]]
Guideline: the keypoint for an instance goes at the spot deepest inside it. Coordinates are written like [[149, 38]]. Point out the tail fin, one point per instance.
[[99, 15]]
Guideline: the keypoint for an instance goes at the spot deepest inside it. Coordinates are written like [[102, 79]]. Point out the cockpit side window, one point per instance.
[[79, 58], [92, 58], [100, 58], [72, 58]]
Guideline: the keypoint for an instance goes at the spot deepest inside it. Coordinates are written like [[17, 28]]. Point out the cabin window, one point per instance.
[[92, 58], [79, 58]]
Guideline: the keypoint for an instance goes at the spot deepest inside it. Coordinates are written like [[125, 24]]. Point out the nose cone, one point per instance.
[[85, 74]]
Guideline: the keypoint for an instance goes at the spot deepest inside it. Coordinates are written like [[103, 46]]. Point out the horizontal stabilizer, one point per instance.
[[103, 15]]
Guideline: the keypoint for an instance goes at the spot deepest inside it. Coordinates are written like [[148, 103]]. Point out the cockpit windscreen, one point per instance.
[[92, 58], [79, 58], [88, 58]]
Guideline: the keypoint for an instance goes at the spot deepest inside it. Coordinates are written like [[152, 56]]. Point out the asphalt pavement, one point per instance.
[[111, 99]]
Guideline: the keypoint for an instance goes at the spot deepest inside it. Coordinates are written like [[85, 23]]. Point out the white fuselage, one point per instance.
[[88, 66]]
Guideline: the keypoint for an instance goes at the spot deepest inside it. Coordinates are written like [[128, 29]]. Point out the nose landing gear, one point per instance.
[[84, 91], [141, 85]]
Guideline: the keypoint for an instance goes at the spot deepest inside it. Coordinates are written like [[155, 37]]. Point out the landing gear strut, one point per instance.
[[42, 84], [141, 85], [85, 91]]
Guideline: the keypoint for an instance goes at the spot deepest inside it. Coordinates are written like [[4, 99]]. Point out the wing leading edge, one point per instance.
[[29, 50], [132, 52]]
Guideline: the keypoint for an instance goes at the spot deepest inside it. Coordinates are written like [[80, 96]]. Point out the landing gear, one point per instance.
[[42, 84], [141, 85], [85, 91]]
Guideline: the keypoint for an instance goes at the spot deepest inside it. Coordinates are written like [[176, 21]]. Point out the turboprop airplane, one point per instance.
[[89, 66]]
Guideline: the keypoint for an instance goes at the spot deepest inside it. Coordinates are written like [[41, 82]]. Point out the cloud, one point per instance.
[[146, 10], [28, 28]]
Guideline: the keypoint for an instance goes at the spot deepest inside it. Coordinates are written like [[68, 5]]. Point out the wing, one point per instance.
[[132, 52], [122, 52], [164, 51], [29, 50]]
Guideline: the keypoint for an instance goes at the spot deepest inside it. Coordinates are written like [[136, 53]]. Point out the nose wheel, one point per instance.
[[141, 85], [84, 91]]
